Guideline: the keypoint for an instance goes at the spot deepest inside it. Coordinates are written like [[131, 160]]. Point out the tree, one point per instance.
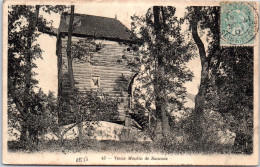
[[233, 94], [71, 75], [160, 61], [20, 55], [202, 19], [23, 22], [226, 79]]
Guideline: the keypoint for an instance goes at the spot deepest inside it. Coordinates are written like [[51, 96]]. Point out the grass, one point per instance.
[[72, 146], [87, 145]]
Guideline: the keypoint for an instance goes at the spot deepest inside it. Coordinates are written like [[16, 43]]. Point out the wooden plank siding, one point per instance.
[[107, 64]]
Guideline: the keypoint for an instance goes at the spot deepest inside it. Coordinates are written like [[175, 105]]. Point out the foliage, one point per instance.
[[23, 49], [226, 81], [97, 106], [92, 107], [83, 49], [171, 47], [232, 89], [234, 77], [41, 118], [18, 19], [21, 52]]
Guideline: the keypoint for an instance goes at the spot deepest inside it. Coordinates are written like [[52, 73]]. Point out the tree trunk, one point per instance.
[[28, 75], [158, 114], [23, 136], [60, 75], [201, 96], [71, 76], [162, 123]]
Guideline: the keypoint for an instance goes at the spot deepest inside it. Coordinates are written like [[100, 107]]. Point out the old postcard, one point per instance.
[[130, 82]]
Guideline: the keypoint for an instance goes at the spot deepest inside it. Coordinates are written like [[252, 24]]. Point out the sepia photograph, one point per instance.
[[130, 83]]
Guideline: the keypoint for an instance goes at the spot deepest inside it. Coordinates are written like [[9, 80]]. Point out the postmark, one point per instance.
[[238, 23]]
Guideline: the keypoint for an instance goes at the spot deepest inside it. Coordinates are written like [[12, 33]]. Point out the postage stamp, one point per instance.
[[239, 23]]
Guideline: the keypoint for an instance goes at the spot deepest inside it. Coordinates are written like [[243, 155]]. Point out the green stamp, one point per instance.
[[238, 23]]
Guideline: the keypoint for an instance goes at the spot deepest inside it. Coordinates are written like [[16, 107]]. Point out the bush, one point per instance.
[[40, 118], [97, 106], [215, 136]]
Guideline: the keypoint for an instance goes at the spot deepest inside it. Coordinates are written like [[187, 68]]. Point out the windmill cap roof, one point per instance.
[[96, 26]]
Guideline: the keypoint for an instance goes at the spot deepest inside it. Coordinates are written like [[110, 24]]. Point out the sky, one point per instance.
[[47, 67]]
